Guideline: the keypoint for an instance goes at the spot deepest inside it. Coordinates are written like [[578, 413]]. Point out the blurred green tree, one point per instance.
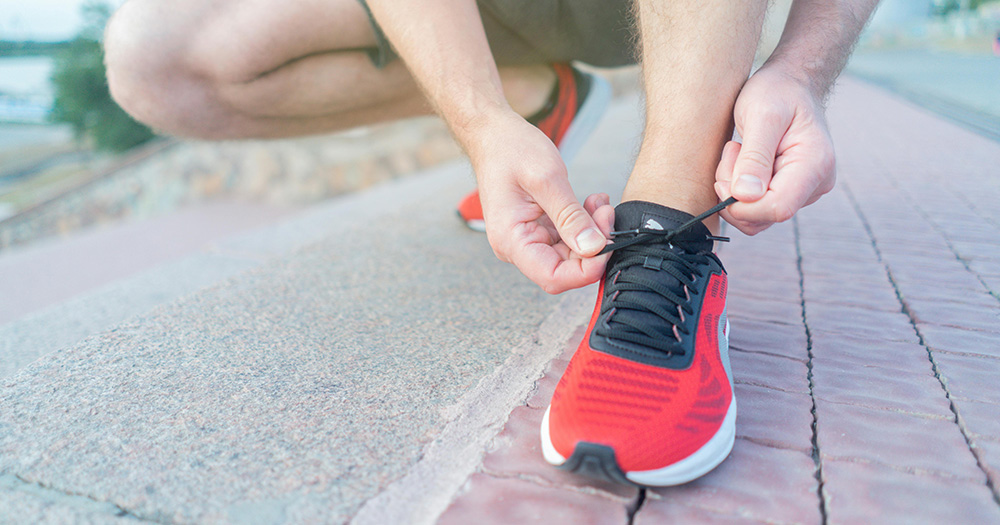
[[82, 98]]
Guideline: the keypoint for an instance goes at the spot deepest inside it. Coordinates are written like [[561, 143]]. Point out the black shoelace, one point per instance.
[[653, 249]]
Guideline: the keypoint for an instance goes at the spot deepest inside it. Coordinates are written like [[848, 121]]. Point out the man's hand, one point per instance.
[[786, 160], [533, 219]]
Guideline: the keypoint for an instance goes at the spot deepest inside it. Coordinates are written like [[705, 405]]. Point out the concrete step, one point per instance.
[[295, 371], [55, 270]]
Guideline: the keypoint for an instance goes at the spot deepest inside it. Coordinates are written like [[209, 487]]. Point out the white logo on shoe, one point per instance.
[[652, 225]]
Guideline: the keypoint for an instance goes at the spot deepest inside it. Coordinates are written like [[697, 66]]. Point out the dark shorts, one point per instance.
[[520, 32]]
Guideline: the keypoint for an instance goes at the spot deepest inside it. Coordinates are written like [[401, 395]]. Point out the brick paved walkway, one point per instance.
[[865, 347]]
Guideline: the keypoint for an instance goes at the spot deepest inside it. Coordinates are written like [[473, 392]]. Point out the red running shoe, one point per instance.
[[575, 107], [648, 397]]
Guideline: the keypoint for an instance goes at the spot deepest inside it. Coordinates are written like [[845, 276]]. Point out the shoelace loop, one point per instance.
[[647, 234], [651, 253]]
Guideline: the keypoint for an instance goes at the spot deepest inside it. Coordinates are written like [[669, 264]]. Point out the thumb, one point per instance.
[[575, 226], [755, 163]]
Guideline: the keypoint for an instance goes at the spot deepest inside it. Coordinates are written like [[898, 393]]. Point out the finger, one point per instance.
[[595, 201], [790, 190], [554, 272], [605, 218], [724, 172], [762, 132], [575, 226]]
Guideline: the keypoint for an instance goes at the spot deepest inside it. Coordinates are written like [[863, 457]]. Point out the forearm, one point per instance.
[[444, 46], [818, 38]]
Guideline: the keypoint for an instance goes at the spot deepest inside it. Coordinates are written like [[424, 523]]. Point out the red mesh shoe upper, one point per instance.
[[652, 417]]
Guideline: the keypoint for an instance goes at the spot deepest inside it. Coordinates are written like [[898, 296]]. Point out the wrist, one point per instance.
[[805, 75], [474, 126]]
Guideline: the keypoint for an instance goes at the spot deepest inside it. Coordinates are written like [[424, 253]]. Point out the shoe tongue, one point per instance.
[[640, 214]]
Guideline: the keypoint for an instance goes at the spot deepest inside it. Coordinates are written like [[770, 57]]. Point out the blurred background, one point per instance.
[[79, 177]]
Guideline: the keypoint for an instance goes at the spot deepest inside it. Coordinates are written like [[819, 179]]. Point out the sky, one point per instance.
[[45, 20]]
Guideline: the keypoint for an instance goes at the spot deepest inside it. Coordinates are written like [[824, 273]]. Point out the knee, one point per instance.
[[149, 74]]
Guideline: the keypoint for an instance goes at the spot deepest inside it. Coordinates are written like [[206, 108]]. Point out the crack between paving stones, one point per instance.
[[633, 509], [921, 415], [959, 421], [542, 482], [913, 471], [972, 206], [968, 354], [764, 385], [49, 492], [774, 444], [769, 354], [814, 439]]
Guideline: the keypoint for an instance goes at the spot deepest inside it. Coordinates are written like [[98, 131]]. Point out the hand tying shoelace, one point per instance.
[[633, 293]]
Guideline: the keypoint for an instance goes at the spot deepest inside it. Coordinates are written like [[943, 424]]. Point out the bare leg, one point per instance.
[[696, 56], [235, 69]]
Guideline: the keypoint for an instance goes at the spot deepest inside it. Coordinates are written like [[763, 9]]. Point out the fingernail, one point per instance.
[[590, 240], [749, 186]]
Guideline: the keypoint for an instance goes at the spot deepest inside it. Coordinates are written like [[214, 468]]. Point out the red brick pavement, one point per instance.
[[865, 347]]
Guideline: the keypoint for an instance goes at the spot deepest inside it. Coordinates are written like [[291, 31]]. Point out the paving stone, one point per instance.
[[916, 278], [851, 240], [837, 290], [989, 453], [775, 271], [788, 340], [774, 418], [489, 500], [980, 419], [516, 451], [925, 255], [891, 438], [972, 378], [823, 265], [970, 316], [938, 293], [769, 371], [985, 268], [992, 284], [677, 512], [867, 493], [884, 389], [848, 353], [756, 482], [935, 261], [760, 309], [973, 249], [959, 341], [859, 322], [786, 289]]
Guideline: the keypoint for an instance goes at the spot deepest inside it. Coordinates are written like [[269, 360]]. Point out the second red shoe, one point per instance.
[[576, 105]]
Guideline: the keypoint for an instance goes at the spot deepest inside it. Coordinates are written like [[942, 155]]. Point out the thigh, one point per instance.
[[239, 40], [597, 32]]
